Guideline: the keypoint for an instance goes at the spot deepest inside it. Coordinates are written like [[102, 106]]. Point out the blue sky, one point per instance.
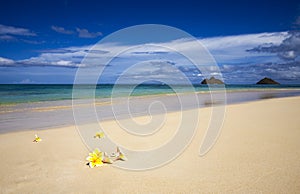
[[45, 41]]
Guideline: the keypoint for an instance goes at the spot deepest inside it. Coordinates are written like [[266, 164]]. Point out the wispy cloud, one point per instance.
[[61, 30], [228, 49], [151, 70], [233, 49], [236, 63], [81, 32], [84, 33], [11, 30], [11, 33], [65, 57], [7, 37]]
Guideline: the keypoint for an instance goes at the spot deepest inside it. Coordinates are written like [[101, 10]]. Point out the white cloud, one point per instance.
[[84, 33], [11, 33], [149, 71], [226, 50], [233, 49], [81, 32], [7, 37], [6, 61], [11, 30], [288, 49], [61, 30], [231, 53]]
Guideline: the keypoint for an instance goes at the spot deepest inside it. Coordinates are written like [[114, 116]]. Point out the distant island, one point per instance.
[[212, 80], [267, 80]]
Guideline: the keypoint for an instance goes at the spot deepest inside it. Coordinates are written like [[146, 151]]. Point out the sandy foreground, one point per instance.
[[258, 151]]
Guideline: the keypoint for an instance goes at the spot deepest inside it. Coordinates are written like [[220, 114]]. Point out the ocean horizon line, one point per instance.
[[194, 84]]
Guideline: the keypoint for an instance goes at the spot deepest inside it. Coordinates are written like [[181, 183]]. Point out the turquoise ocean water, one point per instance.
[[24, 93], [24, 107]]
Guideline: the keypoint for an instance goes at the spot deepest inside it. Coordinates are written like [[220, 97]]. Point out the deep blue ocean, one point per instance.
[[24, 93]]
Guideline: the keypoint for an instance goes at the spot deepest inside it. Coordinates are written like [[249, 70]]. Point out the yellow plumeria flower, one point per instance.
[[37, 139], [95, 158], [107, 159], [99, 135], [120, 155], [97, 153]]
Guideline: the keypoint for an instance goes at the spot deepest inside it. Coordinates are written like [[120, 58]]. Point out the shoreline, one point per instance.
[[257, 151], [42, 115], [108, 99]]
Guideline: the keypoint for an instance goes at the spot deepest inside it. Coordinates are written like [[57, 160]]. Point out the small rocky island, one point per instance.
[[212, 80], [267, 80]]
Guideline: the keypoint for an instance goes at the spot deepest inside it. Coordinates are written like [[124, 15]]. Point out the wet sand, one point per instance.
[[53, 114]]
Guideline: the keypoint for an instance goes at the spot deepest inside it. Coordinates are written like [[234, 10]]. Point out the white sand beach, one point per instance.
[[257, 152]]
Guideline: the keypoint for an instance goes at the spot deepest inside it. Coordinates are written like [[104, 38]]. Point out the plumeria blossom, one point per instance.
[[37, 139], [120, 155], [95, 158], [99, 135], [98, 158], [106, 159]]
